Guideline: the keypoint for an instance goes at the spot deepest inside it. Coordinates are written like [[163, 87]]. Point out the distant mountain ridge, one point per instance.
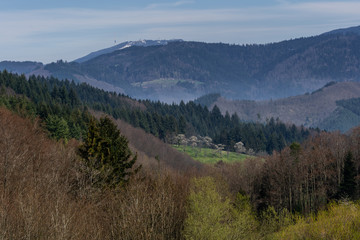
[[171, 71], [139, 43], [20, 67], [344, 31]]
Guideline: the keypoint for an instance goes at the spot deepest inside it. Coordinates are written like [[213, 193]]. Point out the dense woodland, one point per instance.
[[63, 107], [51, 188], [344, 117]]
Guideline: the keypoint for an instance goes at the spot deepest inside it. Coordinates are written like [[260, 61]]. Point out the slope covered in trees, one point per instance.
[[332, 107], [63, 106], [243, 72], [345, 116], [267, 198], [46, 194]]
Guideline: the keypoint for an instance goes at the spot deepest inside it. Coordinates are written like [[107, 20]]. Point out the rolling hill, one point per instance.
[[333, 107]]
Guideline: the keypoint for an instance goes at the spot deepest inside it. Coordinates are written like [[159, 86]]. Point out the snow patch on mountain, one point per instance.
[[121, 46]]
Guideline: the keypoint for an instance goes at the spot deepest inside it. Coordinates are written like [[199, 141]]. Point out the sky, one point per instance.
[[50, 30]]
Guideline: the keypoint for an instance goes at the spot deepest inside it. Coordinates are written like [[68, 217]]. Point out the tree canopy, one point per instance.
[[106, 152]]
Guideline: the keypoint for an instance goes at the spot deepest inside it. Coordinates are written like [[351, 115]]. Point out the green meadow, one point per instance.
[[211, 156]]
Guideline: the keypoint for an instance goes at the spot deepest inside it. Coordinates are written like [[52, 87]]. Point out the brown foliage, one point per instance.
[[151, 209], [242, 176], [302, 180], [34, 182], [44, 194], [306, 180]]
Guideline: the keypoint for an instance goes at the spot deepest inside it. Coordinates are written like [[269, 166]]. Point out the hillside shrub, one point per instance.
[[213, 216], [339, 221]]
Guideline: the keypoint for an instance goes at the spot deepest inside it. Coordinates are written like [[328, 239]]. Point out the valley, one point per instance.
[[173, 139]]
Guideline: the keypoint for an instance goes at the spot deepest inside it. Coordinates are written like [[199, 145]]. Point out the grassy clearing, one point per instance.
[[211, 156]]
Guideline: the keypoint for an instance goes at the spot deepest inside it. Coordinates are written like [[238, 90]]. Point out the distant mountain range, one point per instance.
[[336, 106], [178, 70]]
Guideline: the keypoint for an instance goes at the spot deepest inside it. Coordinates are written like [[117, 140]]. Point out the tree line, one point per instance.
[[283, 196], [64, 107]]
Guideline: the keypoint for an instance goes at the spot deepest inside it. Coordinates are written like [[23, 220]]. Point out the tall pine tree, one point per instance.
[[106, 152], [348, 184]]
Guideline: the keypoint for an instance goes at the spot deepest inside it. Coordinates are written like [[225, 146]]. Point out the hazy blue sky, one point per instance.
[[49, 30]]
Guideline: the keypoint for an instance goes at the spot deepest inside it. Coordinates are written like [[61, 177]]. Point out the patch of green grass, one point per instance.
[[211, 156]]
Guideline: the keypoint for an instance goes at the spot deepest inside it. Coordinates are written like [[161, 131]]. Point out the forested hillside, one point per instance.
[[186, 70], [48, 192], [243, 72], [63, 106], [332, 107], [345, 116]]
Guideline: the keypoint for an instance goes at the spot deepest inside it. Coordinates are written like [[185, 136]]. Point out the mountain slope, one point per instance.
[[140, 43], [191, 69], [20, 67], [322, 108], [350, 30], [182, 70]]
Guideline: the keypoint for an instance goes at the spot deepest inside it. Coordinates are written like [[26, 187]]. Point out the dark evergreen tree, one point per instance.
[[295, 150], [58, 127], [106, 152], [182, 124], [74, 100], [348, 184]]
